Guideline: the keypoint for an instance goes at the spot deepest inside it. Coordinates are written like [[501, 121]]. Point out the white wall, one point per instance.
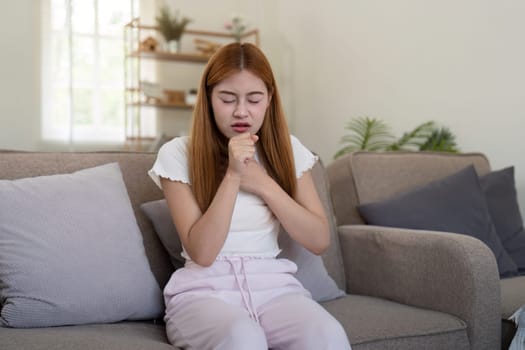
[[19, 75], [406, 61], [460, 63], [410, 61]]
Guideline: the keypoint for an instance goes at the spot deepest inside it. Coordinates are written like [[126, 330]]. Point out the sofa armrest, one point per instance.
[[447, 272]]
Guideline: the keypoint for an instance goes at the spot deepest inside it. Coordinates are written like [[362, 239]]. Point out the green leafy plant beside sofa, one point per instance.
[[372, 134]]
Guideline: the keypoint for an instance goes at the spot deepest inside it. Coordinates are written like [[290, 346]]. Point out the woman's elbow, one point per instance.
[[321, 248], [204, 262], [323, 244]]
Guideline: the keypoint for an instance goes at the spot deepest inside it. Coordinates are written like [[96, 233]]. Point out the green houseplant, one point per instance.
[[171, 27], [372, 134]]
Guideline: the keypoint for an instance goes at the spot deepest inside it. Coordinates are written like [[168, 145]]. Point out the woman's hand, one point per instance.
[[255, 179], [241, 149]]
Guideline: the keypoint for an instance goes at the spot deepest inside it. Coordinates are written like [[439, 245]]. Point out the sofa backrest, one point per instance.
[[134, 167], [364, 177]]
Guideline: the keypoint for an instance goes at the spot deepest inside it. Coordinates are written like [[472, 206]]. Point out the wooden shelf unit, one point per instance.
[[162, 105], [169, 56], [134, 34]]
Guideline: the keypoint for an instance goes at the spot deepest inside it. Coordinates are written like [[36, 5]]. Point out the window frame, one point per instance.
[[68, 129]]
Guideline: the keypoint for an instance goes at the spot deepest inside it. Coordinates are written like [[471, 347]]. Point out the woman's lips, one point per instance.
[[241, 127]]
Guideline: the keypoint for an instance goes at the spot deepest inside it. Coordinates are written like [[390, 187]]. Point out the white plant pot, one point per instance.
[[173, 46]]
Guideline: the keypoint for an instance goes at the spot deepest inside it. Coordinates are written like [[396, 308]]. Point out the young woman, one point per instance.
[[229, 187]]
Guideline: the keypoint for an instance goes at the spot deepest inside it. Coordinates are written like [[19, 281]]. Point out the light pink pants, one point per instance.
[[246, 303]]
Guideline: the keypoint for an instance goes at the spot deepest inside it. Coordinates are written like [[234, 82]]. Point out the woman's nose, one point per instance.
[[241, 110]]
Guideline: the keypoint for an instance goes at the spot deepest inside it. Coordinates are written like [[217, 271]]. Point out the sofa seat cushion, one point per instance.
[[373, 323], [512, 296], [125, 335]]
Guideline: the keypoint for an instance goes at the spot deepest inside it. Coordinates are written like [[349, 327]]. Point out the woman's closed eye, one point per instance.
[[228, 101]]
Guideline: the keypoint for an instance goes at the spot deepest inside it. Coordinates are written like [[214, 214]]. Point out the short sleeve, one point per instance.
[[171, 162], [303, 158]]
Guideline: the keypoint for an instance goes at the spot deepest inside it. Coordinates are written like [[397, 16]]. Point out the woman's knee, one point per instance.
[[242, 334], [328, 334]]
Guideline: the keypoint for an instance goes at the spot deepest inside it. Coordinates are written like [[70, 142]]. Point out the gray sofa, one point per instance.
[[364, 177], [406, 289]]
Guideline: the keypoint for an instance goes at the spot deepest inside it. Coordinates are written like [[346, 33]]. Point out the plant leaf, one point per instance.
[[441, 140], [170, 26], [372, 134], [366, 133], [414, 138]]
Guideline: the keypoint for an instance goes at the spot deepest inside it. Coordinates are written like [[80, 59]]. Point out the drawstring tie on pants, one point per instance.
[[246, 294]]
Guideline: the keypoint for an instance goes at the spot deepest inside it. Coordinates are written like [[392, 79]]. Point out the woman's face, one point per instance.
[[239, 104]]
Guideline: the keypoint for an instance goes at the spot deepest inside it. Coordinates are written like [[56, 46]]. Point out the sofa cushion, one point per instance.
[[159, 215], [310, 269], [374, 323], [500, 192], [455, 203], [134, 167], [71, 252], [332, 257], [381, 175], [124, 335]]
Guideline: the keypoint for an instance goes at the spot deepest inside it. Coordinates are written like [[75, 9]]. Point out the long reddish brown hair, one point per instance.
[[208, 147]]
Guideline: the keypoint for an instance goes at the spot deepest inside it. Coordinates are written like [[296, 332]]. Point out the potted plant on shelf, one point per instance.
[[171, 27], [236, 26], [373, 134]]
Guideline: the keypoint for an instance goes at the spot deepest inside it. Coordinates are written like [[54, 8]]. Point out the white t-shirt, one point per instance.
[[254, 228]]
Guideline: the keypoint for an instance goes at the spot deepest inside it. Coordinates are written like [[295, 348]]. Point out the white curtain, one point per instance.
[[83, 70]]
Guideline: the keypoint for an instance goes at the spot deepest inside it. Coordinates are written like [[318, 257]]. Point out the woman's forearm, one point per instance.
[[308, 228], [206, 237]]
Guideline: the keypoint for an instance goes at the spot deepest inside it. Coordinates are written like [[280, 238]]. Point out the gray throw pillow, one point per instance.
[[159, 215], [311, 271], [71, 252], [455, 203], [500, 191]]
